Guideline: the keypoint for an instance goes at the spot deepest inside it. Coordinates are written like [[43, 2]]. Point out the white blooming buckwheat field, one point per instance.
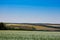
[[28, 35]]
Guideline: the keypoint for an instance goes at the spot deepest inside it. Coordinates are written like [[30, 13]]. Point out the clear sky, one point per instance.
[[30, 11]]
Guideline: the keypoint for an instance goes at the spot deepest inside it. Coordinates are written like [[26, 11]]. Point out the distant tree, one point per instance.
[[2, 26], [33, 28]]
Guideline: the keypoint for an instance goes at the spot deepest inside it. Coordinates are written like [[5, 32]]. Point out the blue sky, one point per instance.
[[30, 11]]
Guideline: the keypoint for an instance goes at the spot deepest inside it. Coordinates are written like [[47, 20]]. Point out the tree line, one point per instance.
[[2, 26]]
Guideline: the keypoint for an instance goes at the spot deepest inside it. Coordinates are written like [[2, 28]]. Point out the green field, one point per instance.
[[28, 35]]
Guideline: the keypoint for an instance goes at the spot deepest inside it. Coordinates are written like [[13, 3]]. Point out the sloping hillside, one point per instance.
[[32, 27]]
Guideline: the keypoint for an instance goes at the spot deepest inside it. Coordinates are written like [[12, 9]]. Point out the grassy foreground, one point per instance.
[[28, 35]]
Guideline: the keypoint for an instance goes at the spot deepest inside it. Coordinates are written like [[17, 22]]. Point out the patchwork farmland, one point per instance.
[[32, 26], [26, 31]]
